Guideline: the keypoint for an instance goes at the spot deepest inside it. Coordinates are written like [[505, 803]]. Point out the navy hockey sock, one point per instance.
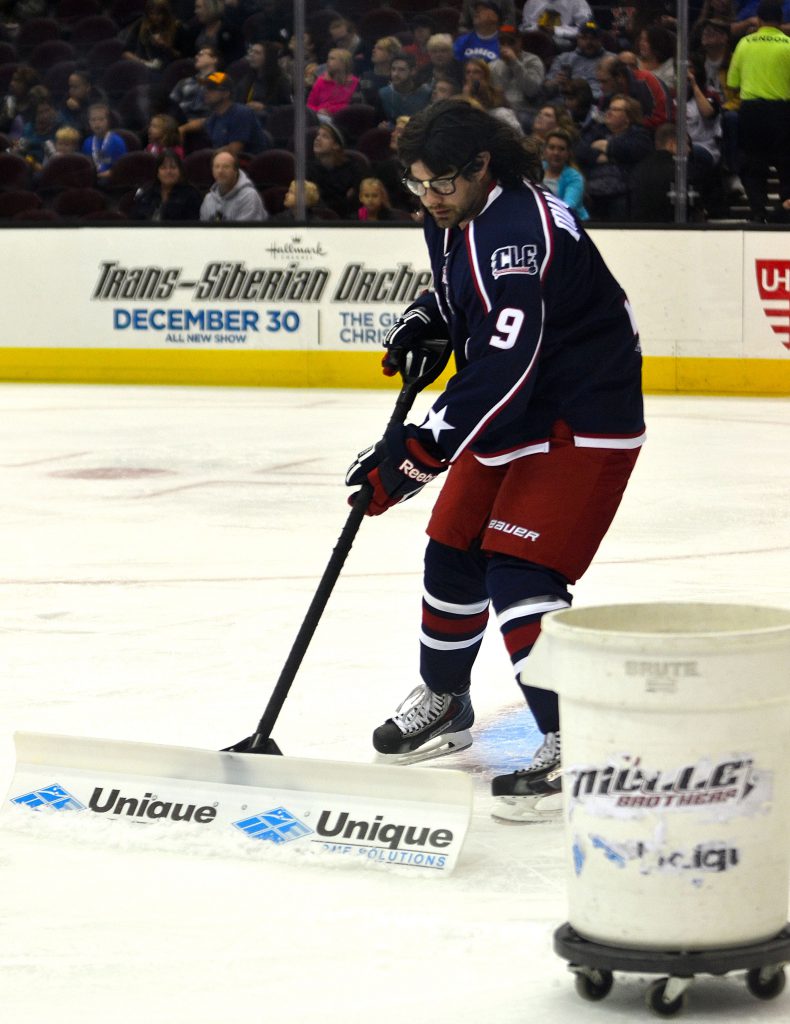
[[454, 616], [521, 594]]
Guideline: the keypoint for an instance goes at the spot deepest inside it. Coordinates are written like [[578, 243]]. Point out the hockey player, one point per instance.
[[539, 428]]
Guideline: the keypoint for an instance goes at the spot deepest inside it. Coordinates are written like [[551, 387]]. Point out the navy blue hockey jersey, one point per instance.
[[540, 330]]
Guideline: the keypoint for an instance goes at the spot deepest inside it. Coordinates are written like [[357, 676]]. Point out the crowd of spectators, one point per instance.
[[159, 110]]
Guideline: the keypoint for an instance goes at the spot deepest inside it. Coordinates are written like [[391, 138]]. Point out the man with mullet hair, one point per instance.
[[539, 428]]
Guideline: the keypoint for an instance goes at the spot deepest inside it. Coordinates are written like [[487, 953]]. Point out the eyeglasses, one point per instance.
[[441, 186]]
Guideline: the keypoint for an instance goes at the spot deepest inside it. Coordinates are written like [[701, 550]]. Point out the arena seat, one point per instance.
[[124, 12], [15, 172], [34, 32], [354, 120], [36, 214], [120, 78], [446, 19], [381, 21], [104, 54], [134, 108], [359, 160], [131, 171], [133, 141], [75, 202], [273, 197], [91, 30], [273, 167], [184, 67], [375, 144], [53, 51], [56, 79], [280, 123], [197, 167], [108, 214], [67, 170], [14, 202], [69, 12]]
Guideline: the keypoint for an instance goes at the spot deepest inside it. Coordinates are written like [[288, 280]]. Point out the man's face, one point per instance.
[[606, 81], [400, 73], [510, 42], [464, 203], [255, 55], [485, 21], [224, 171], [587, 44], [215, 97]]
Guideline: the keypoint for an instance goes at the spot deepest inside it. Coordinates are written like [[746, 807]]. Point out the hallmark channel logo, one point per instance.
[[276, 826], [49, 798], [773, 283], [296, 248]]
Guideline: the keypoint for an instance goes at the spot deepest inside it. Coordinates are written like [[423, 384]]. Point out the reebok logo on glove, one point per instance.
[[410, 470], [397, 468]]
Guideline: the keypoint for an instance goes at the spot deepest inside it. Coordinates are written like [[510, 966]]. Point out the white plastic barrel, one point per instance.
[[675, 723]]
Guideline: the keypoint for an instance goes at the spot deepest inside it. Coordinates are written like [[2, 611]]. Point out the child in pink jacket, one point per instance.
[[333, 90]]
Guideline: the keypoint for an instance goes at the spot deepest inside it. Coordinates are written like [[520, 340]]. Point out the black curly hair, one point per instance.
[[448, 135]]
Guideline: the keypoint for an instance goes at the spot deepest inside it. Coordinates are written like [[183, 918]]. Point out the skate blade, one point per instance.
[[439, 746], [527, 809]]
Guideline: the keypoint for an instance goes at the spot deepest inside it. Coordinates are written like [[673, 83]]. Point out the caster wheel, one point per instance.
[[764, 988], [656, 1002], [596, 987]]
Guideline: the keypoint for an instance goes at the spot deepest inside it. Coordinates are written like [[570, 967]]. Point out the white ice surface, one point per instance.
[[160, 547]]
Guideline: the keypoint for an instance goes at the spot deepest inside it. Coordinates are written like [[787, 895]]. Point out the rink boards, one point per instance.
[[268, 306]]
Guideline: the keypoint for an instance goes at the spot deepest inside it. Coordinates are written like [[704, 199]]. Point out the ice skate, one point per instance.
[[426, 725], [534, 793]]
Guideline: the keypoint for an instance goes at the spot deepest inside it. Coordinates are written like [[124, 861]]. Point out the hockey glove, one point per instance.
[[421, 322], [397, 467]]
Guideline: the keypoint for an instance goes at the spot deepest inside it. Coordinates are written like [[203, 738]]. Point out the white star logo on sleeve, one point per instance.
[[435, 422]]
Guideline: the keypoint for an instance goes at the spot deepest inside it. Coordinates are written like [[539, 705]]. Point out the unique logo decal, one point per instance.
[[148, 807], [773, 284], [276, 826], [49, 798], [712, 857]]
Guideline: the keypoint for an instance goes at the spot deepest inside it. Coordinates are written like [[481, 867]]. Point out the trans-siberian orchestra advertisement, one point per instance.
[[263, 289]]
